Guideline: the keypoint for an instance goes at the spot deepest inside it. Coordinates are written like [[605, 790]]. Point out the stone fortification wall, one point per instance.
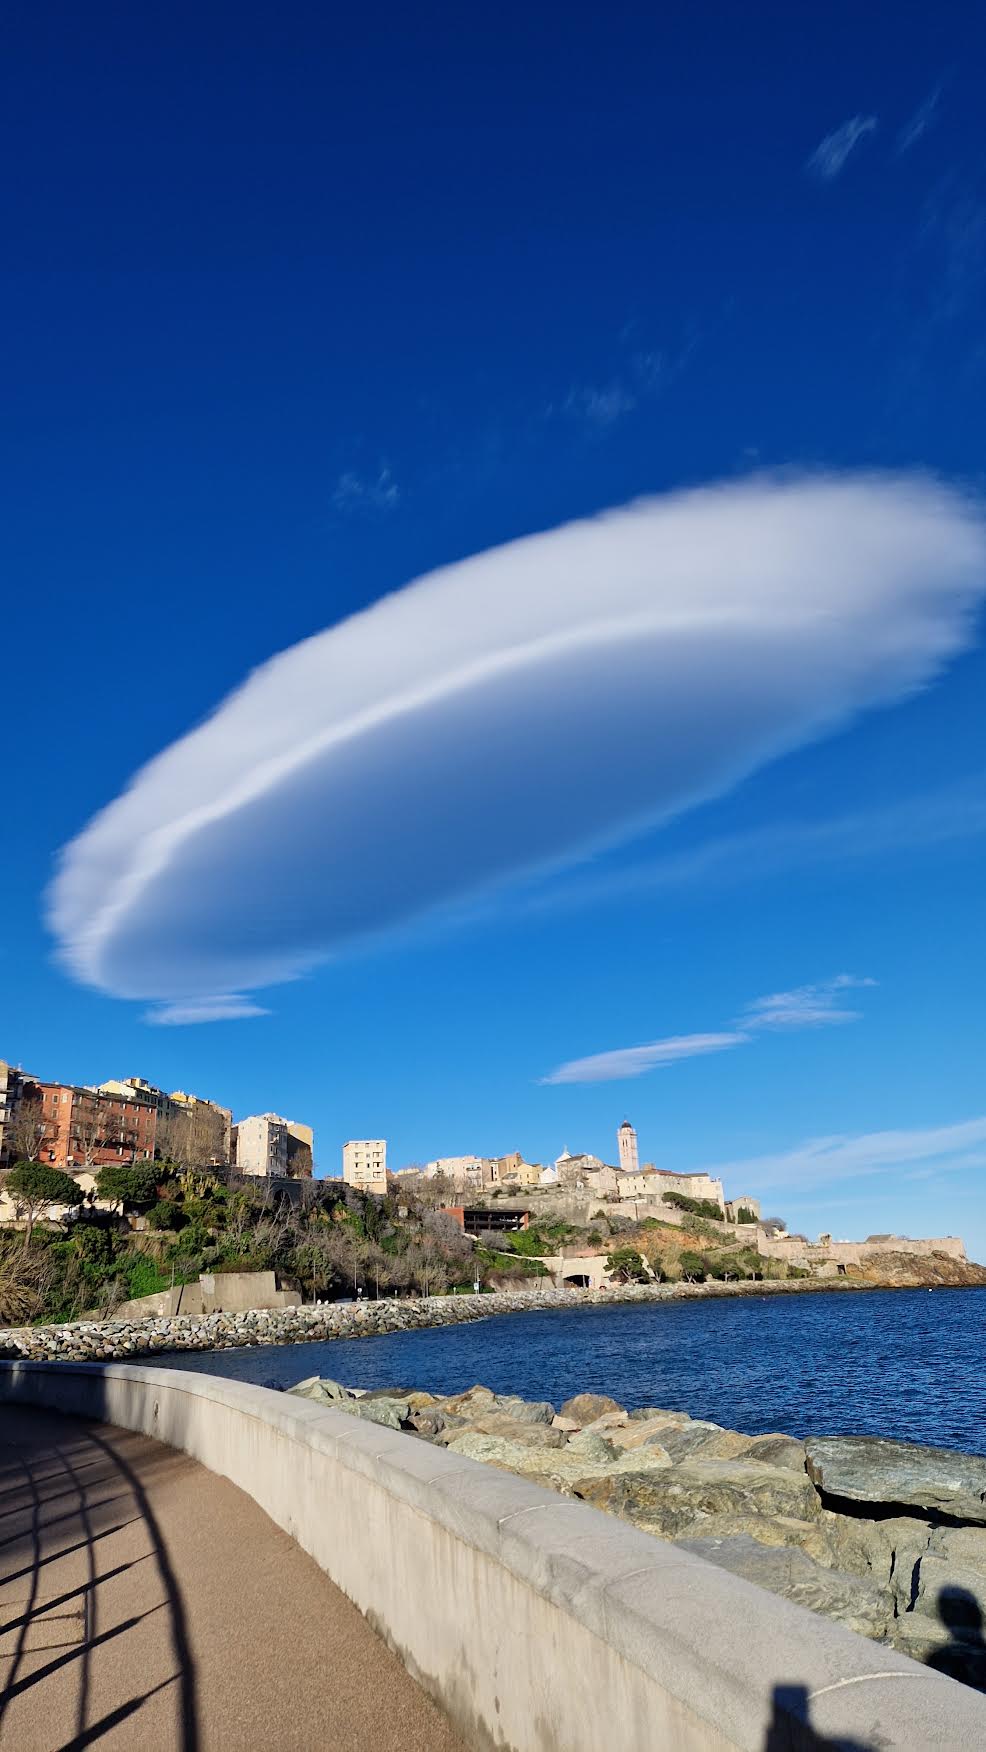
[[798, 1252], [537, 1623]]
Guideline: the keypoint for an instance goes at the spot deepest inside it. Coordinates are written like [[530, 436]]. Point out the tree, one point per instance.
[[128, 1185], [26, 1131], [692, 1267], [626, 1266], [743, 1215], [34, 1188]]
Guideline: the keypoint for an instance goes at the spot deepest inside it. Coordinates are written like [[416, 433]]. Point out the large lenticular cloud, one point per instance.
[[503, 714]]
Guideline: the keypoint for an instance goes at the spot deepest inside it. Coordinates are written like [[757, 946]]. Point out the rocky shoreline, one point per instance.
[[111, 1340], [885, 1537]]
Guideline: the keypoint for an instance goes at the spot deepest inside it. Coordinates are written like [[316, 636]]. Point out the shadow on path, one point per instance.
[[92, 1621]]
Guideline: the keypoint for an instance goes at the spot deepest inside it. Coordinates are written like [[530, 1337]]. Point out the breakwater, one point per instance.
[[123, 1340]]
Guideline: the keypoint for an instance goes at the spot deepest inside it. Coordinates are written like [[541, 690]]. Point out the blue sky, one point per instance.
[[300, 308]]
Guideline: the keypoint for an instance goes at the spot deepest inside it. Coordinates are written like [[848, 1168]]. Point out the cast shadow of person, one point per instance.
[[964, 1658], [790, 1729]]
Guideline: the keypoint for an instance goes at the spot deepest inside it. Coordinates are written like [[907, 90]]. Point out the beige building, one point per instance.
[[627, 1140], [460, 1170], [262, 1145], [301, 1150], [653, 1183], [364, 1164]]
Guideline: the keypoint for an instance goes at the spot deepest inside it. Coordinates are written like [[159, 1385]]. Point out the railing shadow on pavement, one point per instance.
[[66, 1574]]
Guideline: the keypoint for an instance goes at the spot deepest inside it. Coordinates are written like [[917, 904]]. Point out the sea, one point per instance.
[[908, 1364]]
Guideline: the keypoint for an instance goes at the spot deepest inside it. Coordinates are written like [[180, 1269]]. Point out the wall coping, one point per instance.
[[710, 1641]]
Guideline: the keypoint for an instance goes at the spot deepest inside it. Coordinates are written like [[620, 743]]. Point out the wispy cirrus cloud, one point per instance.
[[926, 821], [603, 405], [831, 155], [633, 1061], [809, 1006], [366, 493], [918, 124], [822, 1161], [702, 634]]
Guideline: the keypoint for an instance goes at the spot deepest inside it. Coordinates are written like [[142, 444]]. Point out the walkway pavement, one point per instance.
[[146, 1603]]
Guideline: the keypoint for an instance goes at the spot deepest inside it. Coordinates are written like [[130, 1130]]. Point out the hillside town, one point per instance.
[[84, 1130]]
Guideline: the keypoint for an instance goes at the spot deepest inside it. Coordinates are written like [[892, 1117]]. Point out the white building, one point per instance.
[[460, 1170], [364, 1164], [627, 1139], [262, 1144]]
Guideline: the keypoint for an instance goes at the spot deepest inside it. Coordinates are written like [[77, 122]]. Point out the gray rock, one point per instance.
[[670, 1502], [794, 1575], [951, 1592], [319, 1388], [706, 1440], [870, 1469], [934, 1644], [390, 1412], [532, 1411]]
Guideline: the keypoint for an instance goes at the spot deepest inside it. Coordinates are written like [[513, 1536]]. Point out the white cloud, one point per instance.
[[225, 1009], [829, 157], [820, 1161], [920, 121], [353, 492], [604, 405], [808, 1006], [510, 712], [633, 1061]]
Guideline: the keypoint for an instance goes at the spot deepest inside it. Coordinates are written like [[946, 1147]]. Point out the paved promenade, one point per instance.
[[146, 1603]]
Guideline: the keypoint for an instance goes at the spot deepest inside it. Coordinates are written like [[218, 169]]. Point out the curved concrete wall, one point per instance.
[[539, 1624]]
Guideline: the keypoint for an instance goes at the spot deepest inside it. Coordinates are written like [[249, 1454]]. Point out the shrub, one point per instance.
[[697, 1207], [166, 1214], [743, 1215], [128, 1184], [626, 1265]]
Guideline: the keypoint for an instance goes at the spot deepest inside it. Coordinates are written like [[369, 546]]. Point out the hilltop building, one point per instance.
[[364, 1164], [627, 1141], [280, 1149]]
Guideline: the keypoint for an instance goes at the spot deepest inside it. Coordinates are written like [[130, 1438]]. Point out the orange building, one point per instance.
[[88, 1128]]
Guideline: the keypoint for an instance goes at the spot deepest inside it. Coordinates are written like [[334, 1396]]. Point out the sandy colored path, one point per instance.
[[146, 1603]]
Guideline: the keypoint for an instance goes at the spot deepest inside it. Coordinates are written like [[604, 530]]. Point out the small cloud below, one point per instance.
[[831, 154], [366, 494], [634, 1061], [923, 118], [230, 1008], [808, 1006]]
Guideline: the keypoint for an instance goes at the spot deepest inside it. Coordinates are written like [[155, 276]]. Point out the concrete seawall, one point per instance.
[[537, 1623]]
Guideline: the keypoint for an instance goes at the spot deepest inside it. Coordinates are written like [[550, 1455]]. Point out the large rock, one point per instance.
[[947, 1650], [952, 1592], [471, 1403], [531, 1411], [894, 1546], [673, 1502], [556, 1467], [790, 1572], [776, 1451], [870, 1469], [500, 1423], [706, 1441], [586, 1407], [638, 1431], [322, 1390], [392, 1413]]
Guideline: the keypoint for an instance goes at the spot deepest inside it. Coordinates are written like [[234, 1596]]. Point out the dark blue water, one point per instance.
[[904, 1363]]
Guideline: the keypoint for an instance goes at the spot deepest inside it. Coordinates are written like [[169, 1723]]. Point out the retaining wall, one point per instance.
[[537, 1623]]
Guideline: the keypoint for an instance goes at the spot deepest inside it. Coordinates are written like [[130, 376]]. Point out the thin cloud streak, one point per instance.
[[634, 1061], [702, 634], [226, 1009], [809, 1006], [361, 494], [922, 119], [936, 818], [831, 154], [821, 1161]]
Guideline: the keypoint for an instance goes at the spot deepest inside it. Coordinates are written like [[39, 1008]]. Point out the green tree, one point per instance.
[[35, 1187], [626, 1265], [127, 1184], [692, 1267], [745, 1216]]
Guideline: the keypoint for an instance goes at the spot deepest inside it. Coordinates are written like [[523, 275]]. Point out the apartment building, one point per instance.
[[364, 1164], [88, 1128], [261, 1142]]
